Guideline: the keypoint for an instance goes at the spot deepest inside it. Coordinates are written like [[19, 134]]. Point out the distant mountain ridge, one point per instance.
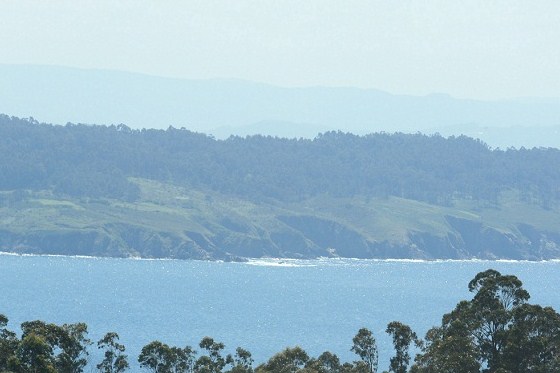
[[224, 107]]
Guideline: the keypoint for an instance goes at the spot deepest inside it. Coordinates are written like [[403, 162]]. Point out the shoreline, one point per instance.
[[287, 262]]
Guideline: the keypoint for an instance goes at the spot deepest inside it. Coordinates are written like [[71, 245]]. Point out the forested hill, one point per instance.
[[80, 160], [295, 188]]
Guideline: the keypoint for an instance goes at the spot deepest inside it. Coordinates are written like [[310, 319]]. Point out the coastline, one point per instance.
[[287, 262]]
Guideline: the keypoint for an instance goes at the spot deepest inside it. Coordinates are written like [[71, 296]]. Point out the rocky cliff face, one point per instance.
[[299, 236]]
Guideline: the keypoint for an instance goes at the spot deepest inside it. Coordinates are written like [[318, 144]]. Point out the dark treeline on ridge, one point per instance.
[[497, 331], [95, 161]]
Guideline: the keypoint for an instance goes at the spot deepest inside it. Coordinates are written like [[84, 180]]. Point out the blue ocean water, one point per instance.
[[262, 306]]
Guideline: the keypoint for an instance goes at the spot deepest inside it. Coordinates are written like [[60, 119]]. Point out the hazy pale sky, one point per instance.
[[469, 49]]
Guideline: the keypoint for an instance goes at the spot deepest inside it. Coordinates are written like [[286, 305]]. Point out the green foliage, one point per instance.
[[402, 336], [290, 360], [448, 350], [114, 360], [365, 346], [490, 312], [496, 331], [213, 362], [8, 344], [35, 354], [242, 362], [161, 358], [49, 347], [327, 362], [73, 342], [155, 357], [532, 343]]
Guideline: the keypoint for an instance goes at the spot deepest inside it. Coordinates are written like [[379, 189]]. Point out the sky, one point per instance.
[[480, 49]]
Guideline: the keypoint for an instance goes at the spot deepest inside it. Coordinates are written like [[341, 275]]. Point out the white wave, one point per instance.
[[10, 253], [281, 262], [286, 262]]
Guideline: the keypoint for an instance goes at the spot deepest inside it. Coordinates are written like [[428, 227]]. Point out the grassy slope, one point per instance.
[[169, 211]]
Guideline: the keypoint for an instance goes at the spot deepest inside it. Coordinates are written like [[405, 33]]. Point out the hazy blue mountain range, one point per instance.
[[224, 107]]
